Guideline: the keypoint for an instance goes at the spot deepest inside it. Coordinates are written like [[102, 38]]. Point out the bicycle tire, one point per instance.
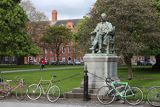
[[20, 93], [134, 95], [105, 95], [34, 92], [53, 93], [2, 91], [153, 96], [2, 95]]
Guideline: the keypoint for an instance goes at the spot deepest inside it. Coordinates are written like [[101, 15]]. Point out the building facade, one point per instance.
[[69, 52]]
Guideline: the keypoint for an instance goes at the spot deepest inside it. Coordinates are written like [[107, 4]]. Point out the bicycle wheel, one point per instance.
[[53, 93], [20, 93], [153, 96], [2, 91], [134, 96], [105, 95], [34, 92]]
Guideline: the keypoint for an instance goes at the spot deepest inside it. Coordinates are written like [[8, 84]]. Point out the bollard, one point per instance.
[[85, 87]]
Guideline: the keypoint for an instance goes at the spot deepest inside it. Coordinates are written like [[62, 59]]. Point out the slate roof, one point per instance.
[[63, 22]]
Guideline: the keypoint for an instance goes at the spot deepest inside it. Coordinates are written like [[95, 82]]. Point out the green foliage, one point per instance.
[[137, 25], [13, 37], [157, 3], [56, 36], [83, 32], [136, 22]]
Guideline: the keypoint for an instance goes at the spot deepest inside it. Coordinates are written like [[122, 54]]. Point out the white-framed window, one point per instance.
[[46, 50], [75, 50], [13, 58], [52, 50], [69, 49], [63, 59], [63, 50], [6, 58]]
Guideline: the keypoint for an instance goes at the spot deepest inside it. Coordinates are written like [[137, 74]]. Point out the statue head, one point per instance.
[[103, 16]]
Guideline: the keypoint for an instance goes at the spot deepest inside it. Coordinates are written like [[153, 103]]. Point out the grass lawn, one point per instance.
[[65, 85], [23, 67], [144, 77]]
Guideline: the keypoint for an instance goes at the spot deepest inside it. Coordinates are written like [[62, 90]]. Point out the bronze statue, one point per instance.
[[102, 37]]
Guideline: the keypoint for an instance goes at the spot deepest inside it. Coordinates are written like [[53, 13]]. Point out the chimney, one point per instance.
[[54, 16]]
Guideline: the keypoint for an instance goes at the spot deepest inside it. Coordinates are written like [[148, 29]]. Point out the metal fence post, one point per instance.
[[85, 90]]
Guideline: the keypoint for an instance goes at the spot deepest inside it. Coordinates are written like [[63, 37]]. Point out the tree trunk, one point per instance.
[[156, 66], [20, 60], [57, 53], [127, 59]]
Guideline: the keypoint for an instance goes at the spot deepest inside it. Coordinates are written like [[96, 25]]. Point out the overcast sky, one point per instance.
[[67, 9]]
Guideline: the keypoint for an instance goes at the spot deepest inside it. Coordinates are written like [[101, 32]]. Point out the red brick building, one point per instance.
[[69, 53]]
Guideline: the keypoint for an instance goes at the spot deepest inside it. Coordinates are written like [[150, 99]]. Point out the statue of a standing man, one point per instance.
[[99, 34]]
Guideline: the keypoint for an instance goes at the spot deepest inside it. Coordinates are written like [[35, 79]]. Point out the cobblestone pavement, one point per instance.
[[43, 102]]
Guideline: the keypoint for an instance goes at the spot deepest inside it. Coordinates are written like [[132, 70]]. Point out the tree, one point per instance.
[[83, 34], [155, 44], [55, 37], [157, 3], [32, 13], [136, 22], [37, 21], [14, 40]]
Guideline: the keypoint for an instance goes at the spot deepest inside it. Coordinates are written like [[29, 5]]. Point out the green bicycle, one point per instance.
[[107, 94]]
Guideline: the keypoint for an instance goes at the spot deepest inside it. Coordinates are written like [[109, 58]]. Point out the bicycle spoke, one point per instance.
[[53, 93], [105, 96], [153, 96], [2, 91], [33, 92], [20, 93], [134, 96]]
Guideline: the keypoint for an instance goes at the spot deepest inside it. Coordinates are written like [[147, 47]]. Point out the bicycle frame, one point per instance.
[[121, 94], [8, 88], [50, 83]]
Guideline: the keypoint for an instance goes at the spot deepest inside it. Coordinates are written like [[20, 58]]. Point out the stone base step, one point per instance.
[[80, 90], [78, 95]]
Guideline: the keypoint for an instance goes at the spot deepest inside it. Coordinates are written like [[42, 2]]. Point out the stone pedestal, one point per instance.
[[100, 66]]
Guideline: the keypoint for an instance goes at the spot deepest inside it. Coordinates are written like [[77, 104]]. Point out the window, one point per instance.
[[63, 50], [75, 50], [46, 49], [6, 58], [69, 49], [63, 59], [52, 50]]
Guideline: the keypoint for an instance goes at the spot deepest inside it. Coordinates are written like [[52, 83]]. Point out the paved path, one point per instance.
[[60, 103], [28, 70]]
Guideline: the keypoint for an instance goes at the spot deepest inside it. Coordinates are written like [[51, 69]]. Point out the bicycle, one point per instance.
[[6, 89], [153, 96], [113, 89], [35, 91]]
